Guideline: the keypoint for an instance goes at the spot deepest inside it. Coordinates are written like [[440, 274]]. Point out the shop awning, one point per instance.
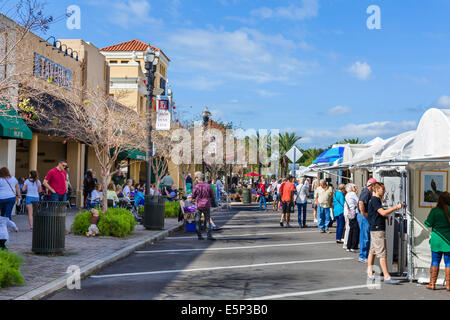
[[11, 125], [132, 154]]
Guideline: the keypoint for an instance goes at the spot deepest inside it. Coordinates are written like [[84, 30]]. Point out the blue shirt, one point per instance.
[[338, 203]]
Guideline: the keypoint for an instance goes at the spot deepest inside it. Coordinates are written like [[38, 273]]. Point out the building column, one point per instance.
[[134, 171], [33, 155], [8, 155], [75, 161]]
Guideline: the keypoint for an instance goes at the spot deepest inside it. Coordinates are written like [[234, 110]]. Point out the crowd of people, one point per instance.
[[360, 218]]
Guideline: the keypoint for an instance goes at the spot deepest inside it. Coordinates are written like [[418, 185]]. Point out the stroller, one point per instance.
[[130, 206]]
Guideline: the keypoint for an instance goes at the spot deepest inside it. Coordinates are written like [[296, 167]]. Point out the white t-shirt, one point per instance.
[[278, 187], [95, 195], [8, 191], [302, 193], [32, 188], [126, 192]]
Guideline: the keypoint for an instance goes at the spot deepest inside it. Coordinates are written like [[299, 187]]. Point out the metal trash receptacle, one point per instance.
[[246, 196], [49, 227], [154, 213]]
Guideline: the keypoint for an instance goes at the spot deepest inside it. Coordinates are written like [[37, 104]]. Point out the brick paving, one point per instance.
[[38, 270]]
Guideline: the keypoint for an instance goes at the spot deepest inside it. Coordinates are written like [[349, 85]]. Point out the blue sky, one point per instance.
[[309, 66]]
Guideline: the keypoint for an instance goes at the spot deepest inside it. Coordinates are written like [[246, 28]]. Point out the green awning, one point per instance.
[[132, 154], [11, 125]]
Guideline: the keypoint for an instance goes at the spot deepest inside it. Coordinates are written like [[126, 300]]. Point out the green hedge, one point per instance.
[[117, 222], [9, 269], [171, 209]]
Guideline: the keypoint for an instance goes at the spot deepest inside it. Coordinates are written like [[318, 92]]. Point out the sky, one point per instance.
[[312, 67]]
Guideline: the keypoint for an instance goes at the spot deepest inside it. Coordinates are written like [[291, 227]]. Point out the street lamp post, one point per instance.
[[151, 61], [206, 115]]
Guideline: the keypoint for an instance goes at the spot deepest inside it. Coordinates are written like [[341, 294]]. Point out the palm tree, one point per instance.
[[310, 155], [351, 141], [287, 141]]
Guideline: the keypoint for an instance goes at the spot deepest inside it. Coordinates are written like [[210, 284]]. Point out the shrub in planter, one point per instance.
[[117, 222], [172, 209], [81, 223], [9, 269]]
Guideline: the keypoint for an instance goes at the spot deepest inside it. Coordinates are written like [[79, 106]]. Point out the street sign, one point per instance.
[[294, 154], [162, 113]]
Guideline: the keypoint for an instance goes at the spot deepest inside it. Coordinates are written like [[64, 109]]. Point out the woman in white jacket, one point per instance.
[[350, 207]]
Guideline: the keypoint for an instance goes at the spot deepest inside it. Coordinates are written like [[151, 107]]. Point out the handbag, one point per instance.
[[352, 213], [12, 189]]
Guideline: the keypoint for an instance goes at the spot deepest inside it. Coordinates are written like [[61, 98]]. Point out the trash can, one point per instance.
[[49, 227], [154, 213], [246, 196]]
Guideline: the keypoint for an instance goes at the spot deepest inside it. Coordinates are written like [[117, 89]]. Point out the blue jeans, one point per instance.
[[300, 207], [324, 217], [261, 200], [58, 197], [7, 206], [364, 236], [436, 258], [340, 226]]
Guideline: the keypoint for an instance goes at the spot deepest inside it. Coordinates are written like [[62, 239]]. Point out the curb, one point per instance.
[[92, 267]]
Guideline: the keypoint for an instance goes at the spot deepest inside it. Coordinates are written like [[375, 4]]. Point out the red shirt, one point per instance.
[[286, 190], [263, 188], [57, 180]]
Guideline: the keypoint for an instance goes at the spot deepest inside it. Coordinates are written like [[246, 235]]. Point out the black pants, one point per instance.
[[207, 223], [353, 235], [3, 244]]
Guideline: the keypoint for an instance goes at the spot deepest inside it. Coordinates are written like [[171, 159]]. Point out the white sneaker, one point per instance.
[[316, 221]]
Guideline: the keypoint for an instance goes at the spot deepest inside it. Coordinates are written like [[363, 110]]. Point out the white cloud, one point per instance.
[[310, 9], [129, 13], [365, 130], [338, 111], [243, 54], [444, 102], [361, 70]]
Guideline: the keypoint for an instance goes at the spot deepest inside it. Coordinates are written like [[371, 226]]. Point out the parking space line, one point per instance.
[[246, 235], [270, 264], [238, 248], [304, 293]]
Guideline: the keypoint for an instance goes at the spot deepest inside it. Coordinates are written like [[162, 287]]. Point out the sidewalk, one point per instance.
[[43, 274]]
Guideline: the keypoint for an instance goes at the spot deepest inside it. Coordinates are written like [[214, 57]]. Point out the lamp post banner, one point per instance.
[[162, 113]]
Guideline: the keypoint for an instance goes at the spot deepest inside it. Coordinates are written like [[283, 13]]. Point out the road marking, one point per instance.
[[238, 248], [304, 293], [217, 268], [247, 235]]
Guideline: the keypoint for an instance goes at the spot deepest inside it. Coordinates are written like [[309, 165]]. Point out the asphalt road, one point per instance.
[[253, 258]]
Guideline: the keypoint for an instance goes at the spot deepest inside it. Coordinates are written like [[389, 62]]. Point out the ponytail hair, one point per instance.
[[33, 176], [444, 203]]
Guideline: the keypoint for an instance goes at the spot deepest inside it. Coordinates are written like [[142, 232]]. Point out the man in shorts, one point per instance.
[[377, 222], [287, 197]]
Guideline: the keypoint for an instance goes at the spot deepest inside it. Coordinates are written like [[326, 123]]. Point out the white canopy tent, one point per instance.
[[401, 161]]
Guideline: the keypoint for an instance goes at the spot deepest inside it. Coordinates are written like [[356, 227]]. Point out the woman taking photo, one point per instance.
[[9, 192], [439, 222], [33, 188]]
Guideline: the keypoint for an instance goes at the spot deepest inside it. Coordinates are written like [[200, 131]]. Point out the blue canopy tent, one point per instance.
[[330, 156]]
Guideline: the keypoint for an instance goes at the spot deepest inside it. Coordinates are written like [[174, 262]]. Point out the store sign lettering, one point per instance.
[[52, 72]]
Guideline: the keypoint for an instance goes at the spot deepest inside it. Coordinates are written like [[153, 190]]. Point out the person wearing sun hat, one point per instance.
[[364, 230]]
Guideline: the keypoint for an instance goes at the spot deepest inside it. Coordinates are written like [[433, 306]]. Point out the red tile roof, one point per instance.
[[133, 45]]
